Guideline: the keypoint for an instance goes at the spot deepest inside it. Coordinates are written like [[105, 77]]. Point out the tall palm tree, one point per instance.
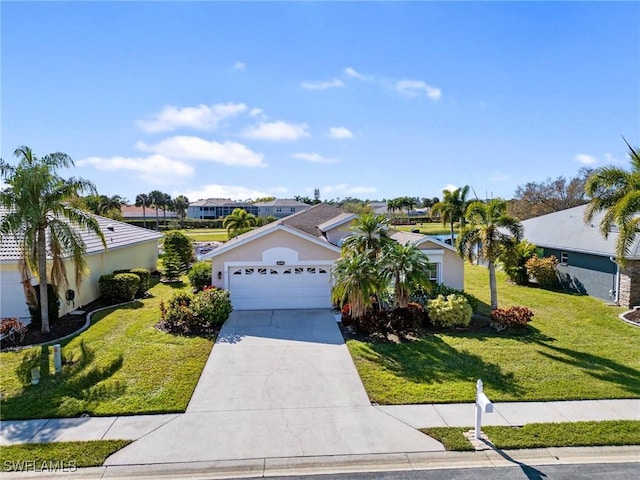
[[181, 204], [143, 200], [493, 231], [616, 192], [356, 280], [369, 232], [107, 204], [39, 214], [406, 267], [452, 207], [156, 197], [167, 204], [239, 220]]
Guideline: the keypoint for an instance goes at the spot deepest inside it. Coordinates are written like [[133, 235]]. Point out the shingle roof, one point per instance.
[[404, 238], [282, 202], [308, 220], [566, 230], [117, 235], [132, 211]]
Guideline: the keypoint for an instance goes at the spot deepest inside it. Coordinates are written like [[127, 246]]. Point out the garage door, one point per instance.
[[276, 287]]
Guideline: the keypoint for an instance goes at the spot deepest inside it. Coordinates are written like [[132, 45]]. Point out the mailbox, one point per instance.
[[484, 403]]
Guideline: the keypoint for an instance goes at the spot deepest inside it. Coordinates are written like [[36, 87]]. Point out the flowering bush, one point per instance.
[[195, 314], [450, 311], [543, 270], [12, 330], [510, 317]]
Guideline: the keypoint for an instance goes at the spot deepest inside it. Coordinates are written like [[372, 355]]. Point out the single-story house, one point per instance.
[[128, 246], [280, 207], [287, 263], [133, 213], [587, 261]]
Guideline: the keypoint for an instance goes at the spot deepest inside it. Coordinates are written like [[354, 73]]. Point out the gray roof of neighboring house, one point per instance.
[[404, 238], [118, 236], [283, 202], [566, 230]]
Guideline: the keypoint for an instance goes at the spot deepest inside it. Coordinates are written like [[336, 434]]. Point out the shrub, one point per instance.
[[145, 279], [372, 322], [200, 276], [543, 270], [406, 320], [516, 316], [54, 307], [422, 297], [171, 267], [450, 311], [514, 261], [119, 287], [12, 330], [195, 314], [179, 243]]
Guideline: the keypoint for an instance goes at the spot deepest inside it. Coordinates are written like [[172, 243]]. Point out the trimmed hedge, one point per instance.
[[145, 279], [200, 276], [450, 311], [195, 314], [119, 287]]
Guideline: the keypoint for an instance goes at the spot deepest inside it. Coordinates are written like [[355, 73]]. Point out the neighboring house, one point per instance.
[[287, 263], [214, 208], [128, 246], [135, 214], [587, 260], [280, 207]]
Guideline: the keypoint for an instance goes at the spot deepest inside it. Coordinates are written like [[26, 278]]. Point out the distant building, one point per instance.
[[281, 208], [132, 213], [214, 208]]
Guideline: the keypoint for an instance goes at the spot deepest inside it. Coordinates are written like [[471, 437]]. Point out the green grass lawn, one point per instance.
[[434, 228], [577, 348], [121, 365], [60, 456], [544, 435], [207, 234]]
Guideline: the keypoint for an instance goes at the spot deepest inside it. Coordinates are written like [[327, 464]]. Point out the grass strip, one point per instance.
[[543, 435], [58, 456]]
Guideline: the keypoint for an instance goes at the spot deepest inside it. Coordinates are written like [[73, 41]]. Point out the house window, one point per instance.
[[278, 209], [311, 270], [564, 258], [262, 271], [298, 270], [293, 209], [249, 271], [433, 271], [287, 272]]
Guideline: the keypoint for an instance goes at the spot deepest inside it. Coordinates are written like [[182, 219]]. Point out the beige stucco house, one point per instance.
[[127, 247], [287, 263]]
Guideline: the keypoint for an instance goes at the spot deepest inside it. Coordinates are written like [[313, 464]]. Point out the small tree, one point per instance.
[[200, 276], [171, 266], [514, 259], [181, 246]]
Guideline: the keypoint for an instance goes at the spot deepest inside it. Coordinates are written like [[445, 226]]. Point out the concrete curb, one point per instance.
[[411, 461]]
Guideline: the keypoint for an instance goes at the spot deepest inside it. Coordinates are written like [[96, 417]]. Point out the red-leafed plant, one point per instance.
[[515, 316]]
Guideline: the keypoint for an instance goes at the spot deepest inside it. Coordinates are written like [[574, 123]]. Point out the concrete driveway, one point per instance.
[[277, 384]]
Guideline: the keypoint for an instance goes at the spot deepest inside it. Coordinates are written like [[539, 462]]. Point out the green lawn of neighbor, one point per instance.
[[576, 348], [120, 365], [206, 234], [434, 228], [545, 435]]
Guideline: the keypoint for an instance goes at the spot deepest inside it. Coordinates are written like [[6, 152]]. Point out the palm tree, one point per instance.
[[167, 204], [108, 204], [356, 280], [239, 220], [452, 207], [369, 233], [616, 192], [406, 267], [487, 223], [156, 197], [514, 259], [143, 200], [181, 204], [39, 214]]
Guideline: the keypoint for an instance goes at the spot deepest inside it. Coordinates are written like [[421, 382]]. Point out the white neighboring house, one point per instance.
[[128, 246], [287, 264]]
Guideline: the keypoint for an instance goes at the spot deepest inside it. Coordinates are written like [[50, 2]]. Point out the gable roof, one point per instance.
[[117, 235], [566, 230], [217, 202], [282, 202], [309, 220], [403, 238], [133, 211]]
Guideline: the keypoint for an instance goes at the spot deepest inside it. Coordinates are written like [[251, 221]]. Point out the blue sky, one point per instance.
[[369, 100]]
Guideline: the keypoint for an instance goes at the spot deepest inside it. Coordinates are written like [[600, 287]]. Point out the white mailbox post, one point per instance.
[[483, 404]]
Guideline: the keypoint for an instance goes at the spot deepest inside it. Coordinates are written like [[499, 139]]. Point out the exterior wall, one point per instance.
[[453, 270], [214, 212], [630, 284], [280, 212], [586, 274], [252, 252], [12, 301]]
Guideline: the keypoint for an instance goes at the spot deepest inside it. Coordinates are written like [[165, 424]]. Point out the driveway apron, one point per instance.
[[278, 383]]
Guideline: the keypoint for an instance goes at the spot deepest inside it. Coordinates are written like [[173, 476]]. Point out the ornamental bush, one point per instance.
[[200, 276], [119, 287], [145, 279], [54, 307], [543, 270], [450, 311], [422, 297], [188, 313], [179, 243], [516, 316]]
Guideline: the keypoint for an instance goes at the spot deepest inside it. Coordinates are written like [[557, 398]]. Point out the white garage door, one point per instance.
[[279, 287]]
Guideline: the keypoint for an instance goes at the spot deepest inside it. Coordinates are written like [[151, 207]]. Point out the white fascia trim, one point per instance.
[[440, 243], [337, 223]]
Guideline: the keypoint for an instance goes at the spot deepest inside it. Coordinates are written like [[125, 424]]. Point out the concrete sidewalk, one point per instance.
[[417, 416]]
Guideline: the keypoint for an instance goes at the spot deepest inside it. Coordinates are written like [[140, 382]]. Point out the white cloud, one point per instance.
[[278, 131], [343, 189], [234, 192], [585, 159], [154, 169], [240, 66], [257, 112], [500, 177], [340, 132], [195, 148], [314, 158], [202, 117], [322, 85], [450, 187], [413, 88], [350, 72]]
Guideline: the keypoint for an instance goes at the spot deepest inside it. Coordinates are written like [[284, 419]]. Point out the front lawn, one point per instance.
[[576, 348], [121, 365], [207, 234]]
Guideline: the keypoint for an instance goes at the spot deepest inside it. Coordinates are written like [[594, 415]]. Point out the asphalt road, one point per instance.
[[591, 471]]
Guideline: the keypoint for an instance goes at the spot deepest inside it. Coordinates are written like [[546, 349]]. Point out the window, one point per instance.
[[249, 271], [433, 271], [311, 270], [237, 272], [278, 209], [322, 270], [298, 270], [564, 258], [287, 272], [293, 209], [262, 271]]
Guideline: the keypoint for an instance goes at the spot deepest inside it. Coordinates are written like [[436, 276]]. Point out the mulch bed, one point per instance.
[[633, 316]]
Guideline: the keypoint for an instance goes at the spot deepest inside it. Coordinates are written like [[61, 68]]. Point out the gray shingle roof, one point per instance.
[[310, 219], [566, 230], [117, 235], [282, 202]]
